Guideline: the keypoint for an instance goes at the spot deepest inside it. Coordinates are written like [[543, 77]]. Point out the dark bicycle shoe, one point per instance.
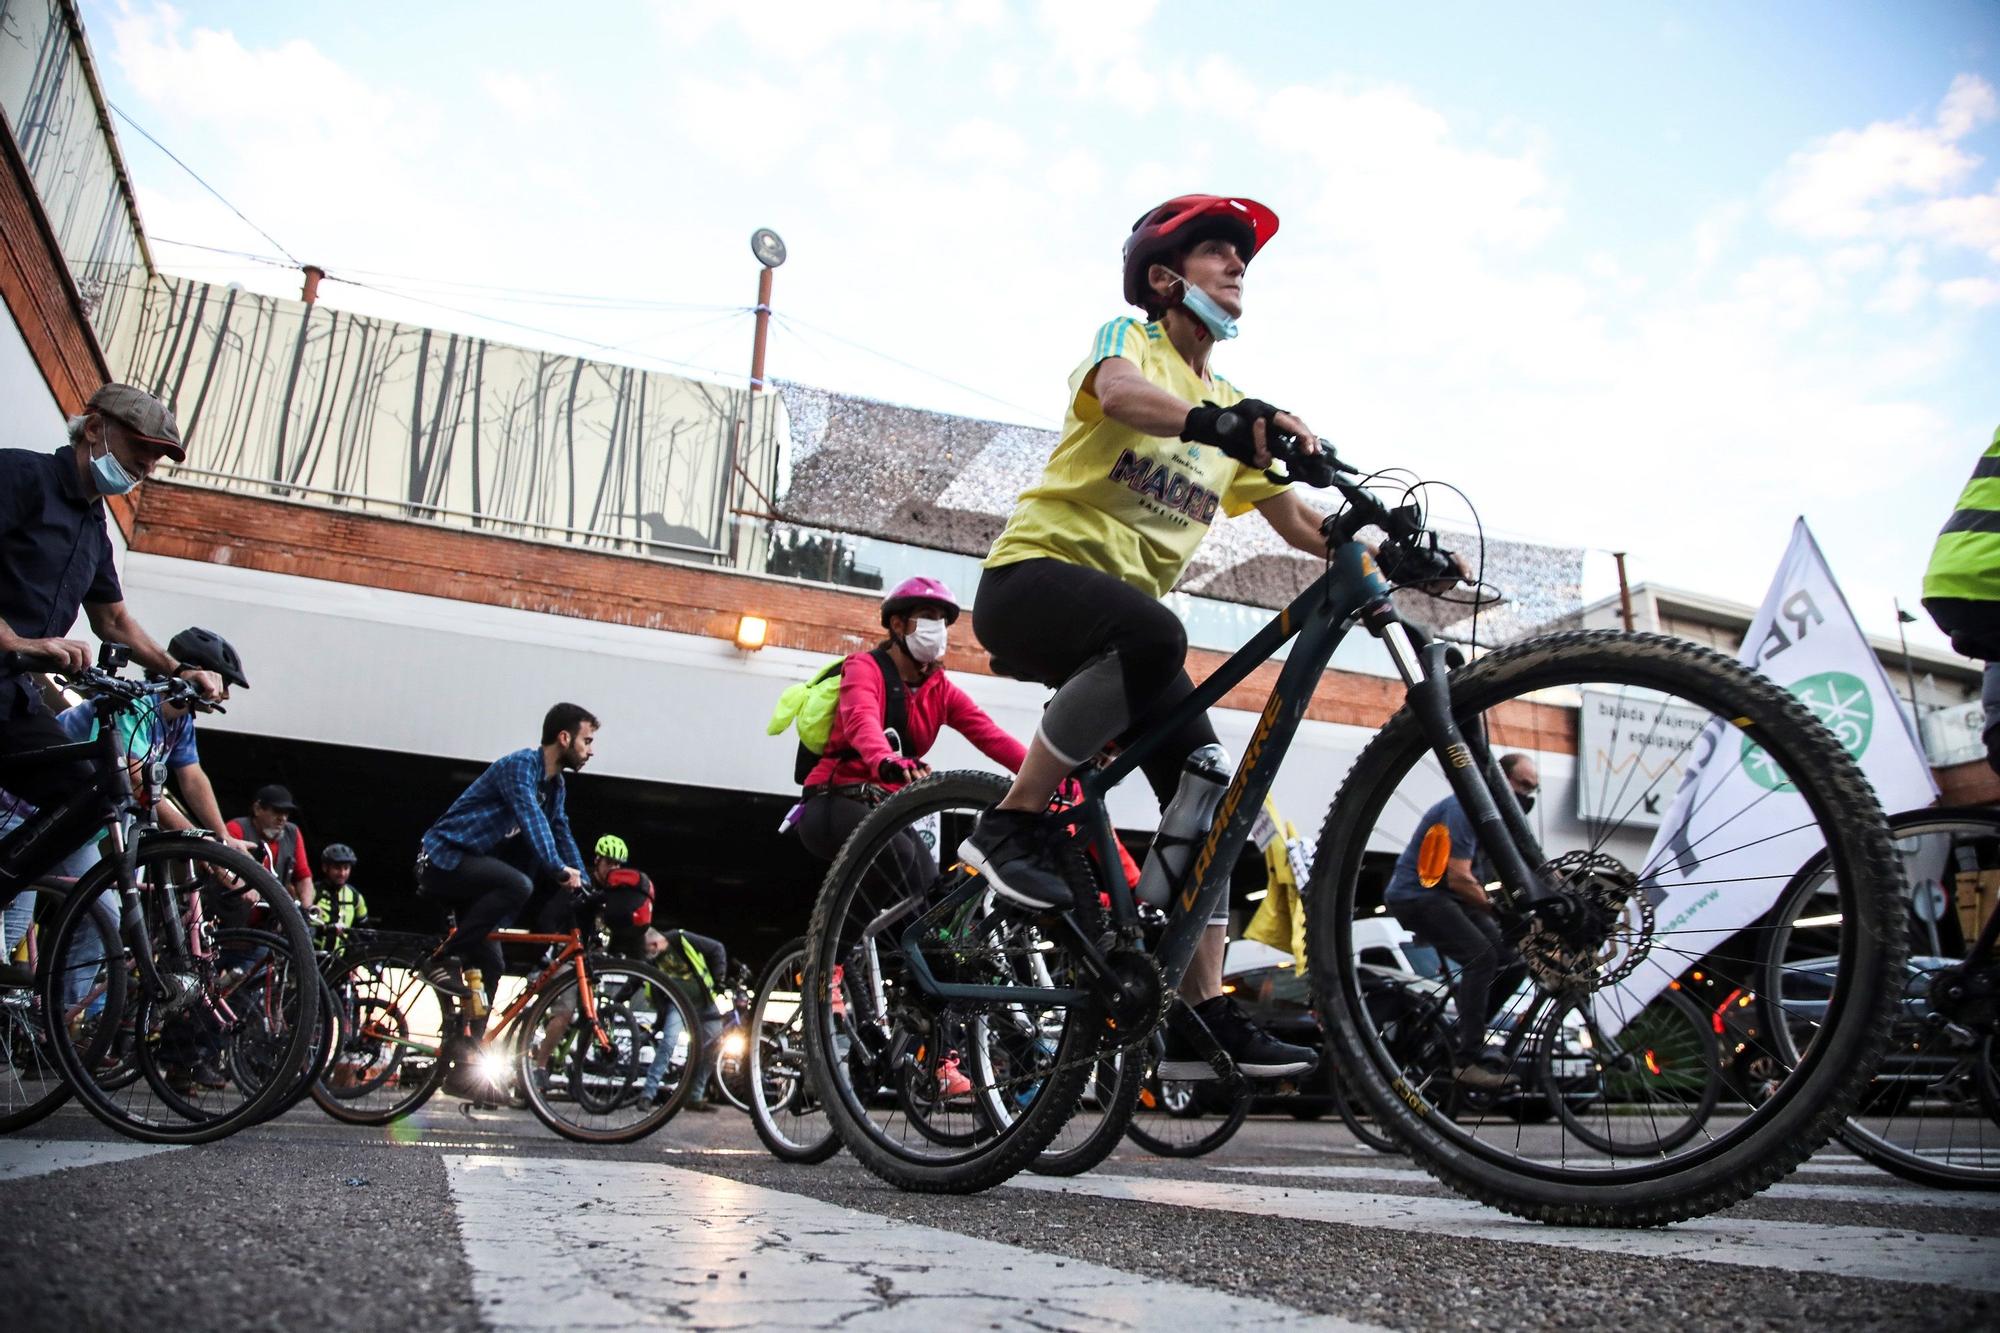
[[1256, 1052], [447, 977], [1014, 850], [1477, 1076]]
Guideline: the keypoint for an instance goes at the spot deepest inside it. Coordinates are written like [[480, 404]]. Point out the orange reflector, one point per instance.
[[1431, 857], [1146, 1098], [1652, 1062]]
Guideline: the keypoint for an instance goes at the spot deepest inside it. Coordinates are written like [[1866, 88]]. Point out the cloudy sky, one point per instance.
[[1650, 277]]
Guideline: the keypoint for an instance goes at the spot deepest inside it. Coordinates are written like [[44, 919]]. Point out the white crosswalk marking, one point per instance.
[[565, 1244], [21, 1158], [1890, 1192], [1879, 1253]]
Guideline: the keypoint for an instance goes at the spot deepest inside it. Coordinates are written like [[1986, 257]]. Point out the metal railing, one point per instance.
[[417, 509]]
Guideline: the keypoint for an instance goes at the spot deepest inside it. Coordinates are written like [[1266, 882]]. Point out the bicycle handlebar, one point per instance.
[[98, 682]]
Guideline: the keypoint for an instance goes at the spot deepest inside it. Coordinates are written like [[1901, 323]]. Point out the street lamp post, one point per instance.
[[1909, 672], [770, 251]]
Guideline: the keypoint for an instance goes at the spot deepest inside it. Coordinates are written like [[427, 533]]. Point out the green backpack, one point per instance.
[[809, 706]]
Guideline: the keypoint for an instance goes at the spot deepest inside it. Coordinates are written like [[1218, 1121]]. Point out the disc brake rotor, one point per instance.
[[1610, 933]]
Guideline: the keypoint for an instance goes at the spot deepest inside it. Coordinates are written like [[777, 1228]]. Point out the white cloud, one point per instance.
[[1857, 183], [529, 98], [982, 142], [1976, 293]]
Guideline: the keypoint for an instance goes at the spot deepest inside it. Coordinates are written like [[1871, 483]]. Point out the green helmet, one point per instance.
[[612, 848]]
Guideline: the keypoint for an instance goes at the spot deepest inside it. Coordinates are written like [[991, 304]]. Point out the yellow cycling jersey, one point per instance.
[[1130, 505]]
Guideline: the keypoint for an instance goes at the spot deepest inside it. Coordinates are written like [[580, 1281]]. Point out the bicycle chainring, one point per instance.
[[1609, 931], [1140, 1004]]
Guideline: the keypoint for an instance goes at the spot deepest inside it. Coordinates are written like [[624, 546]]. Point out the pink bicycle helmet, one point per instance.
[[917, 591]]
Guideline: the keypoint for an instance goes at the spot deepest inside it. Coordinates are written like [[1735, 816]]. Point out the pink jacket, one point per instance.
[[933, 705]]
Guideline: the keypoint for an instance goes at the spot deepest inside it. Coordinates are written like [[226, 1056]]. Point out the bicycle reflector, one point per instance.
[[1432, 855]]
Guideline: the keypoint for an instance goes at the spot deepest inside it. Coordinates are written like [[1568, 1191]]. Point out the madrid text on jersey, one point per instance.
[[1166, 487]]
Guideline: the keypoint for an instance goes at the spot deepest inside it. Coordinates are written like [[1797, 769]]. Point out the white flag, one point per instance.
[[1737, 831]]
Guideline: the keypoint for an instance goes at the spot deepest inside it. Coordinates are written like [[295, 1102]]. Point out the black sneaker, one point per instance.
[[1012, 849], [444, 974], [1180, 1062], [1256, 1052]]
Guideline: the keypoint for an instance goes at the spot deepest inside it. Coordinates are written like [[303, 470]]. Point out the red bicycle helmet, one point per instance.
[[916, 592], [1162, 231]]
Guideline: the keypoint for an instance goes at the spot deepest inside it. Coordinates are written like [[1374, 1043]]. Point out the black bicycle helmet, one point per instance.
[[338, 854], [204, 648]]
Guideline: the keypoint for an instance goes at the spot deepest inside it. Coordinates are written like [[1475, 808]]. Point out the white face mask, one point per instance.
[[926, 640]]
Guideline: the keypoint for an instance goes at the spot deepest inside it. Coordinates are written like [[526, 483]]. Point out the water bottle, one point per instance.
[[475, 1003], [1184, 823]]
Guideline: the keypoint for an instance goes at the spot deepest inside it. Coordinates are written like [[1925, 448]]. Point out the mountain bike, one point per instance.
[[162, 979], [1582, 917], [1932, 1114], [585, 1043]]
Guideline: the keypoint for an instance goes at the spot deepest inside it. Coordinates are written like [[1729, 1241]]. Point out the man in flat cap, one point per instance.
[[56, 556]]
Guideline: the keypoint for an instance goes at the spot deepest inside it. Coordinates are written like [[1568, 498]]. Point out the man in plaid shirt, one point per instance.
[[503, 836]]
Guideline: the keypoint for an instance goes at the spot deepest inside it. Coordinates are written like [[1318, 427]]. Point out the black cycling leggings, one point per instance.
[[1113, 653], [827, 820], [488, 894]]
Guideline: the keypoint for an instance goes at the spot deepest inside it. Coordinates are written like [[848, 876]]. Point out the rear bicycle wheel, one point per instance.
[[393, 1025], [785, 1108], [1767, 786], [608, 1063], [885, 912], [184, 883], [1932, 1113], [1641, 1092]]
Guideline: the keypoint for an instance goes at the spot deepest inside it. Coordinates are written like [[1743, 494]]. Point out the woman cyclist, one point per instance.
[[1071, 591], [862, 763]]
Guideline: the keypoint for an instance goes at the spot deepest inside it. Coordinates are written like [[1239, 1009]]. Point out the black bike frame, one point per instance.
[[1351, 590], [27, 852]]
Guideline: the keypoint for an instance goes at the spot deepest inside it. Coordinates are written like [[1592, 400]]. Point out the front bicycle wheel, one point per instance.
[[186, 886], [784, 1106], [1175, 1118], [898, 902], [605, 1059], [1932, 1114], [1702, 787]]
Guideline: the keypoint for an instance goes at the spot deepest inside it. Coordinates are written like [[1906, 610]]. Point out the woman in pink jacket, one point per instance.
[[862, 762]]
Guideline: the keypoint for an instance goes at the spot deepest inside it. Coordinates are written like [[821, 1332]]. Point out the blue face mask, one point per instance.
[[110, 474], [1203, 307]]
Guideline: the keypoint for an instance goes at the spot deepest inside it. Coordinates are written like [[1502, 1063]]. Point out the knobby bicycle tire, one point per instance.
[[1008, 1152], [1117, 1097], [1773, 1139], [1974, 1166]]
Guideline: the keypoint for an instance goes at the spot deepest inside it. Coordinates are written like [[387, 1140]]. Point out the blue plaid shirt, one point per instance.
[[508, 798]]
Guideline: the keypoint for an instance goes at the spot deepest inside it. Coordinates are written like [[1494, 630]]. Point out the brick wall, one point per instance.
[[313, 541]]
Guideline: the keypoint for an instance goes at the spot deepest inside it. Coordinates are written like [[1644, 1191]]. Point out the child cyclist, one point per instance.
[[1071, 591]]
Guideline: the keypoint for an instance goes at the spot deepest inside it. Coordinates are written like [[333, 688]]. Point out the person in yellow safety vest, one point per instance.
[[1962, 583], [341, 902], [697, 962]]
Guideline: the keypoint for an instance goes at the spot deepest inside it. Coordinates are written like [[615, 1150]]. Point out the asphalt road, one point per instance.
[[455, 1221]]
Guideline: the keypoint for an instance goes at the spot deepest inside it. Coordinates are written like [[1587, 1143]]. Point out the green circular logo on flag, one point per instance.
[[1844, 707]]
